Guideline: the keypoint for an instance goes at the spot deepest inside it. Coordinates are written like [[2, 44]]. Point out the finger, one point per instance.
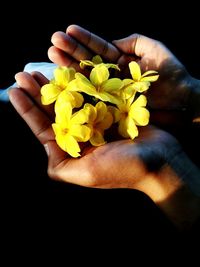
[[135, 44], [28, 84], [57, 157], [61, 58], [70, 170], [40, 78], [32, 86], [96, 44], [70, 46], [37, 120]]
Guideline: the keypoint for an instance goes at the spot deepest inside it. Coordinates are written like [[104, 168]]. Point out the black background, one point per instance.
[[36, 209]]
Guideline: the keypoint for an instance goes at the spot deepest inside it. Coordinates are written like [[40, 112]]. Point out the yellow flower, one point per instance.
[[129, 114], [99, 119], [75, 99], [97, 60], [69, 129], [139, 82], [99, 85], [62, 77], [78, 120]]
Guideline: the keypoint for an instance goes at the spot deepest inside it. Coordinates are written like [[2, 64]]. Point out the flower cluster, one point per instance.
[[86, 107]]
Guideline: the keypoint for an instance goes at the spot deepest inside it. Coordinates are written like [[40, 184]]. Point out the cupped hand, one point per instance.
[[170, 92], [153, 163], [121, 163]]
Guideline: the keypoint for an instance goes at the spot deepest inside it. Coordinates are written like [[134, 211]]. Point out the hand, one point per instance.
[[150, 164], [172, 91], [107, 166], [78, 43]]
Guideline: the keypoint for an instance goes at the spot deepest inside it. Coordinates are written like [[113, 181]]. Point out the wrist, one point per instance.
[[175, 189], [179, 203]]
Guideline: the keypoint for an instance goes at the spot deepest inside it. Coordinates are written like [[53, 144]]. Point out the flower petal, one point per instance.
[[72, 86], [142, 116], [122, 128], [150, 78], [79, 117], [84, 85], [106, 122], [84, 63], [141, 101], [57, 128], [91, 112], [69, 144], [101, 109], [141, 86], [111, 85], [97, 139], [65, 97], [129, 91], [49, 93], [149, 72], [63, 114], [135, 70], [132, 129], [115, 113], [71, 72], [127, 82], [138, 112], [78, 99], [63, 75], [74, 98], [112, 66], [80, 76], [82, 133], [104, 96], [98, 75]]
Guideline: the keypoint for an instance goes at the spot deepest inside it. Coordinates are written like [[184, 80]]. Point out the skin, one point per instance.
[[154, 163], [175, 89]]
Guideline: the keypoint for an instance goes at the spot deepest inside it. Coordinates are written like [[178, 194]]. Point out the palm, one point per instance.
[[105, 166], [167, 92]]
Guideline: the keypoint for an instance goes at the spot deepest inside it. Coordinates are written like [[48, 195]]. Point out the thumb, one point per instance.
[[136, 44], [55, 155]]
